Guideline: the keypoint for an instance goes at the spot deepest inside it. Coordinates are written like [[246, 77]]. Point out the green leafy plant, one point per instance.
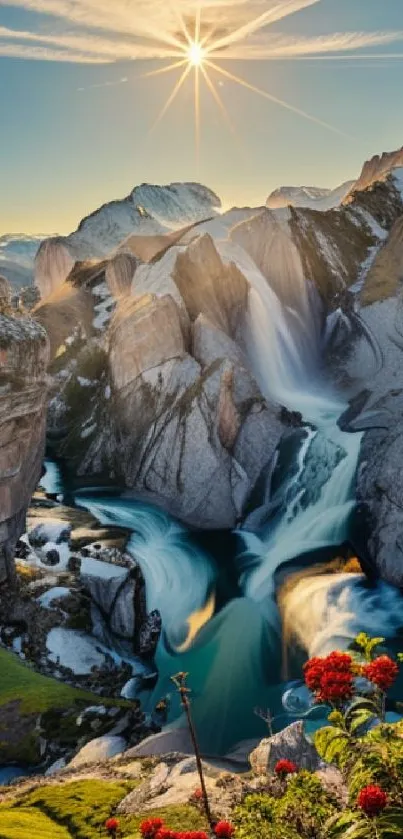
[[301, 811], [367, 751]]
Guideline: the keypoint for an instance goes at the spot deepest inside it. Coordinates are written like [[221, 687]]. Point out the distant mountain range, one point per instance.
[[17, 257], [308, 196], [151, 210]]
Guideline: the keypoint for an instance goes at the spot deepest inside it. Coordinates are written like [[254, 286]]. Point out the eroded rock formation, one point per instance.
[[24, 356]]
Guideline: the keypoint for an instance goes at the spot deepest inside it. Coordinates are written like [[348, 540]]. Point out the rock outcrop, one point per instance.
[[209, 286], [24, 355], [377, 167], [154, 378], [386, 272], [152, 388], [145, 333], [290, 744], [373, 364]]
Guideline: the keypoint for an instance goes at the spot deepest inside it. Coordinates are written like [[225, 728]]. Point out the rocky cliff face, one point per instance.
[[377, 167], [373, 364], [152, 385], [24, 355], [151, 388]]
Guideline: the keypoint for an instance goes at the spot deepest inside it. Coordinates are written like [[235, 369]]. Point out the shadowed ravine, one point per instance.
[[235, 658]]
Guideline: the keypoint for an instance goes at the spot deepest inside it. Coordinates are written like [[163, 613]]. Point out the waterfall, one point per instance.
[[328, 611], [179, 576], [234, 659], [284, 350]]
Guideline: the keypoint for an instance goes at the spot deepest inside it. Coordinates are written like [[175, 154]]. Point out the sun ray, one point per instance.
[[197, 114], [273, 99], [219, 102], [198, 23], [178, 14], [173, 96], [166, 69]]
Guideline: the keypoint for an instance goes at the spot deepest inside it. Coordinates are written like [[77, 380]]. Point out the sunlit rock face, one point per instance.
[[153, 371], [209, 286], [268, 239], [377, 167], [143, 223], [150, 386], [385, 274], [24, 356], [145, 332], [120, 272], [53, 263]]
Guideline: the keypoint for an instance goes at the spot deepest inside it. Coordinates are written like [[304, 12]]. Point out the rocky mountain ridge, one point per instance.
[[151, 372], [316, 198]]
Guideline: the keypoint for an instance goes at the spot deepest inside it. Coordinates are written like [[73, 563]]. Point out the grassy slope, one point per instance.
[[79, 809], [24, 695], [36, 693]]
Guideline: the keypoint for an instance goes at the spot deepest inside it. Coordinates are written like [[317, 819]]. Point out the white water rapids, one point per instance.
[[234, 660]]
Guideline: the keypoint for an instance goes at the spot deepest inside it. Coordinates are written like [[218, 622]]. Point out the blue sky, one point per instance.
[[74, 135]]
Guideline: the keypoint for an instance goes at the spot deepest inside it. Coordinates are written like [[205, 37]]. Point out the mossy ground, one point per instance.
[[79, 809], [35, 693], [25, 695]]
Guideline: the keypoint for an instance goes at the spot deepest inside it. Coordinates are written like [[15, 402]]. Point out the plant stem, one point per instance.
[[180, 682]]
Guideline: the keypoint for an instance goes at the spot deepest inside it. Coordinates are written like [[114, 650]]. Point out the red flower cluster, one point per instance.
[[150, 828], [382, 672], [198, 794], [372, 800], [224, 830], [112, 825], [155, 829], [165, 833], [330, 678], [285, 767]]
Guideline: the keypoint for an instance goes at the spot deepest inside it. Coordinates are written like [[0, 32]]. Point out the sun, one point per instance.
[[196, 54], [197, 51]]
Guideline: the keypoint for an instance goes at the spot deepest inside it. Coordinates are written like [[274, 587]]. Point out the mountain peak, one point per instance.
[[315, 198]]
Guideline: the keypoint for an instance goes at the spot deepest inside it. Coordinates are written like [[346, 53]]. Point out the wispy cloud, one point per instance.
[[106, 31], [266, 46]]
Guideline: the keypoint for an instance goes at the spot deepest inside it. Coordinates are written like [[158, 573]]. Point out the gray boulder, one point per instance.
[[289, 744]]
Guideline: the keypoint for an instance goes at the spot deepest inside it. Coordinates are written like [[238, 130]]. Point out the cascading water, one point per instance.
[[179, 576], [286, 362], [234, 657], [329, 610]]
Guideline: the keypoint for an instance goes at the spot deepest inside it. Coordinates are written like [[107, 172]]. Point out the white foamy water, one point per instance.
[[284, 349]]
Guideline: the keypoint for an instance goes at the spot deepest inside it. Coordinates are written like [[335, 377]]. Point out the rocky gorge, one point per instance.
[[223, 403]]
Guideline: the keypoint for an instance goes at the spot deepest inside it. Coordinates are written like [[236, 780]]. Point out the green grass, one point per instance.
[[82, 807], [79, 809], [29, 824], [40, 693], [181, 817], [24, 695]]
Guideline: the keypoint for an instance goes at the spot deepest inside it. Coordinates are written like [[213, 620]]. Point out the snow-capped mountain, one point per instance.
[[315, 198], [149, 210], [17, 257]]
